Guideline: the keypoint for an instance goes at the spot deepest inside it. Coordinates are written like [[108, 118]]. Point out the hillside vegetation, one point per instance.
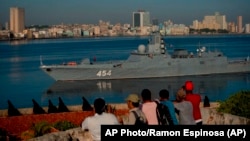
[[237, 104]]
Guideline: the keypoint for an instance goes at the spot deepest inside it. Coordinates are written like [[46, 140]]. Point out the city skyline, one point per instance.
[[90, 12]]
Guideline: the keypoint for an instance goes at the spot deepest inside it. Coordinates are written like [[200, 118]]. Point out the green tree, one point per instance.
[[237, 104]]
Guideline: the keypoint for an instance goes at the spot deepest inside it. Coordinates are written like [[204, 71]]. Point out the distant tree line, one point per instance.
[[207, 30], [37, 26]]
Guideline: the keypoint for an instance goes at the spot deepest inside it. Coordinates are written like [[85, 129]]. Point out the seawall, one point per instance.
[[77, 108]]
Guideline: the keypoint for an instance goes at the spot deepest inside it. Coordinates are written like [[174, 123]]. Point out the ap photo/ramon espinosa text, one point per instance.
[[194, 132]]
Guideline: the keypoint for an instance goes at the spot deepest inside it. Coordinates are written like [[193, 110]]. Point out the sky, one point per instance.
[[52, 12]]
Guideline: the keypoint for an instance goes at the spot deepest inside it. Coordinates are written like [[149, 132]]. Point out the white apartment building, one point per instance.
[[247, 30], [216, 21]]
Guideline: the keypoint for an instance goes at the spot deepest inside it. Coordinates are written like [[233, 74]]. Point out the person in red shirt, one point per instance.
[[195, 99]]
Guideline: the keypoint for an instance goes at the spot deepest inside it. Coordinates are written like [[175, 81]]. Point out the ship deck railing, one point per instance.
[[238, 60]]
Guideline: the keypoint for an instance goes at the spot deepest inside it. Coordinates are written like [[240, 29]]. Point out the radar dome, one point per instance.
[[203, 49], [141, 48]]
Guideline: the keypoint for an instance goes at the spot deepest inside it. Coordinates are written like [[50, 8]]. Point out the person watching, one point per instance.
[[195, 99], [93, 123], [133, 103]]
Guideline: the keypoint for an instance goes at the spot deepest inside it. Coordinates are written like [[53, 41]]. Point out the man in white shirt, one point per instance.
[[93, 123]]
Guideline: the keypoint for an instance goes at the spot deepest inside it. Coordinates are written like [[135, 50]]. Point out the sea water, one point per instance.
[[22, 80]]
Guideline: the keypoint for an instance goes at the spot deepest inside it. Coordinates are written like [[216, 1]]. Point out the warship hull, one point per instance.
[[163, 68], [152, 61]]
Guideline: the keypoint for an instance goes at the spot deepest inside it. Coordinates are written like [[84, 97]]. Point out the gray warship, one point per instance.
[[150, 61]]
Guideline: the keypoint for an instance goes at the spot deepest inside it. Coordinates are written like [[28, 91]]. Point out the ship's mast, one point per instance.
[[41, 62]]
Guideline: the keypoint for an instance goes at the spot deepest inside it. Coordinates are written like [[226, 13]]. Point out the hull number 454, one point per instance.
[[102, 73]]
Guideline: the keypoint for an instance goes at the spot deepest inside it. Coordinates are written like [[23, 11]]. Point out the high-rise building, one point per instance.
[[221, 20], [141, 18], [216, 21], [231, 27], [195, 24], [239, 24], [247, 30], [7, 26], [17, 19], [155, 22]]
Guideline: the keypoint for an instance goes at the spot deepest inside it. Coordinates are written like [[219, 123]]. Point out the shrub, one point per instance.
[[64, 125], [41, 128], [237, 104], [28, 134]]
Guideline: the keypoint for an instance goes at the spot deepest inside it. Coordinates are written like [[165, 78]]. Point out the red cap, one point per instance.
[[189, 85]]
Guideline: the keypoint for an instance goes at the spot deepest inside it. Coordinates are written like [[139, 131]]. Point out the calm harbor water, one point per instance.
[[22, 80]]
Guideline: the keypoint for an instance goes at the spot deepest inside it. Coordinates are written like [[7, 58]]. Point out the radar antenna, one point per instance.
[[41, 61]]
